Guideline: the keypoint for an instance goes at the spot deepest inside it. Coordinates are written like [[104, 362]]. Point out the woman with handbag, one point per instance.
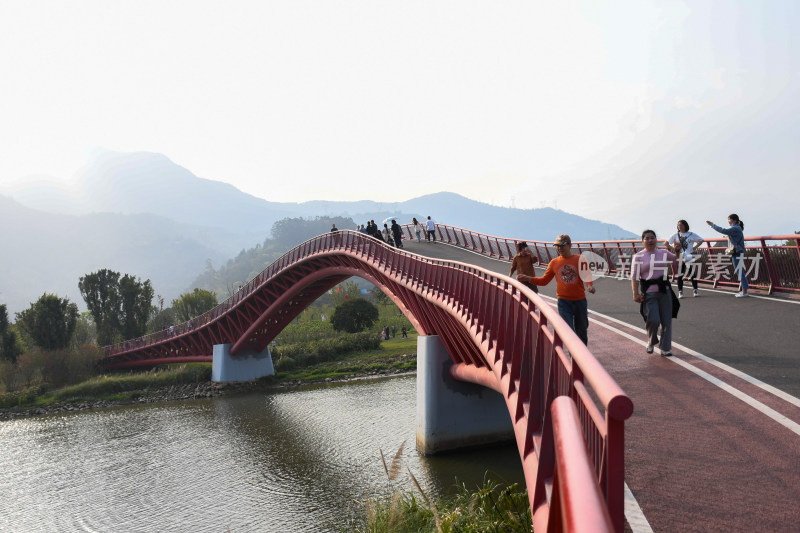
[[736, 249]]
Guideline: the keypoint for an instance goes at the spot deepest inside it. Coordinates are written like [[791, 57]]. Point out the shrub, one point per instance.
[[284, 364], [20, 397], [327, 349], [355, 315]]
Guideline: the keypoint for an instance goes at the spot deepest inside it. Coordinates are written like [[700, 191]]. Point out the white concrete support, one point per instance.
[[244, 366], [452, 414]]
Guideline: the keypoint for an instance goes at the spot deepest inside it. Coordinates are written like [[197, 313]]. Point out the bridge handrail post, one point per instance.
[[774, 279], [472, 242]]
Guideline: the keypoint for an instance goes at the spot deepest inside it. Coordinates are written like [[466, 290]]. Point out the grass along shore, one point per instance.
[[193, 380]]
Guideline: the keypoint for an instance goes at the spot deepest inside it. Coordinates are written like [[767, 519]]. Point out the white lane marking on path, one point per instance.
[[634, 514], [738, 373], [749, 400]]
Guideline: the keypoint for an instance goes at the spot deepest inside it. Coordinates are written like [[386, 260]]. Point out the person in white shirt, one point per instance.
[[431, 229], [683, 244]]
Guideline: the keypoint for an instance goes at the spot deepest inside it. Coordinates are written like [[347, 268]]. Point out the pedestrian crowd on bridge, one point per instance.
[[393, 234], [649, 275]]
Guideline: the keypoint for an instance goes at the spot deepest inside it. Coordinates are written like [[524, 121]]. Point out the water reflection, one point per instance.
[[297, 460]]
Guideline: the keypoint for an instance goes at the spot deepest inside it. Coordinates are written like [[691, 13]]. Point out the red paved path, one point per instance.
[[698, 458]]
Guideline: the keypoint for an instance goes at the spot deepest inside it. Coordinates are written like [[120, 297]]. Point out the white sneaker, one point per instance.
[[696, 293], [680, 294], [742, 295]]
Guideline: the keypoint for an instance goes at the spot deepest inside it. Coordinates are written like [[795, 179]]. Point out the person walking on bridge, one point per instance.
[[736, 249], [417, 228], [523, 263], [387, 235], [397, 234], [572, 304], [431, 234], [651, 289], [683, 244]]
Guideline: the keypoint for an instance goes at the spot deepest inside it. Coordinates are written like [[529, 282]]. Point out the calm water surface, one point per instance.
[[298, 460]]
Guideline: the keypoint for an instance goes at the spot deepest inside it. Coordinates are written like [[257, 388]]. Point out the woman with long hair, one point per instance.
[[736, 249], [417, 228]]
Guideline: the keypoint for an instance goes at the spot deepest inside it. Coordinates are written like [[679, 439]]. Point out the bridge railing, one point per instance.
[[229, 303], [543, 357], [772, 263], [579, 505]]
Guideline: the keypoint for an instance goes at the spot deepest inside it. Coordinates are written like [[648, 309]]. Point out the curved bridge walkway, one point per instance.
[[714, 441], [567, 413]]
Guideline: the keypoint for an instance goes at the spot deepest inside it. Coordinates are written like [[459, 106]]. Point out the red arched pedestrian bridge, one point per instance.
[[568, 414]]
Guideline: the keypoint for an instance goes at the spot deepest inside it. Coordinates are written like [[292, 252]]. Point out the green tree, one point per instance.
[[353, 316], [136, 302], [9, 345], [290, 232], [49, 322], [379, 297], [160, 318], [100, 292], [120, 305], [192, 304], [85, 331]]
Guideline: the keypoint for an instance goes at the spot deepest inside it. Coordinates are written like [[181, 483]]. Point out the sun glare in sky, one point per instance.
[[625, 111]]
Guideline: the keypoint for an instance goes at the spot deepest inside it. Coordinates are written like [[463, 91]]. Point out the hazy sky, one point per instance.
[[632, 112]]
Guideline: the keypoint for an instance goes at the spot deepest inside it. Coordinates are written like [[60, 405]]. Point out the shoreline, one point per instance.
[[190, 391]]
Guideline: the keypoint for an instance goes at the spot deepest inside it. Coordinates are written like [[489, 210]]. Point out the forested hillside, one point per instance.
[[287, 234]]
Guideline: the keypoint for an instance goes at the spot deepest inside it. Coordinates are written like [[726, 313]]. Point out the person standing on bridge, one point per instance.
[[651, 289], [417, 228], [431, 225], [572, 304], [397, 234], [736, 248], [523, 263], [683, 244], [387, 235]]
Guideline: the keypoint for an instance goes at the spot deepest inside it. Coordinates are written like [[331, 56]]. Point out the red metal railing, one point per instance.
[[579, 505], [772, 262], [498, 333]]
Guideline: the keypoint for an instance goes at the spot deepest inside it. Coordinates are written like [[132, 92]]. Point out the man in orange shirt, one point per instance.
[[572, 305]]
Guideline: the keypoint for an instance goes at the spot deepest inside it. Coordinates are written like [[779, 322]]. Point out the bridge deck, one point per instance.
[[706, 449]]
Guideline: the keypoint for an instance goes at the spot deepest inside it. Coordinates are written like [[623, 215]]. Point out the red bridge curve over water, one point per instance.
[[498, 334]]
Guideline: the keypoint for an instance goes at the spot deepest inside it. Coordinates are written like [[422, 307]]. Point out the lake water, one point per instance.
[[290, 461]]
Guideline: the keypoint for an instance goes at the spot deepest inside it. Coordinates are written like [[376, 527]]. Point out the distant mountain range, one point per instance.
[[140, 213]]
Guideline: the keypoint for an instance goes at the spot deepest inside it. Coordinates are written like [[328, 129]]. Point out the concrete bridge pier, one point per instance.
[[453, 414], [244, 366]]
